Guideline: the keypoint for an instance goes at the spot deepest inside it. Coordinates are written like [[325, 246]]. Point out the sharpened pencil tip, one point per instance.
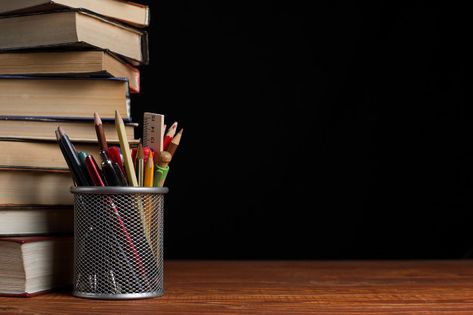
[[97, 119]]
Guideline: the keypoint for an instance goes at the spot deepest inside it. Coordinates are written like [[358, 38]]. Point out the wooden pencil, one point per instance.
[[172, 147], [125, 146], [169, 135], [100, 133]]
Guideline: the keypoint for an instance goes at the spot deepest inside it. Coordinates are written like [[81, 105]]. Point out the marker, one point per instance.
[[82, 157], [169, 135], [162, 168], [130, 171]]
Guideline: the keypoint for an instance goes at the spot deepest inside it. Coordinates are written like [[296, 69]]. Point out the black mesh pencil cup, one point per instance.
[[118, 243]]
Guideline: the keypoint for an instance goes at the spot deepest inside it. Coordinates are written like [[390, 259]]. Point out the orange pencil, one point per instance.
[[149, 171]]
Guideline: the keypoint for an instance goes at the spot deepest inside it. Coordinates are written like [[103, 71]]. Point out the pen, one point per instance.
[[72, 160], [172, 147], [115, 155], [109, 174], [169, 135], [120, 126], [93, 167], [121, 176], [162, 169], [94, 171]]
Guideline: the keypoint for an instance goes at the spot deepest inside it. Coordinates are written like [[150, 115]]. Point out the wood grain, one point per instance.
[[287, 287]]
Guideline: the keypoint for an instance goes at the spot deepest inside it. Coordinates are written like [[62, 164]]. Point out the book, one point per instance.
[[35, 155], [21, 187], [33, 265], [69, 63], [128, 12], [24, 220], [63, 98], [43, 129], [74, 30]]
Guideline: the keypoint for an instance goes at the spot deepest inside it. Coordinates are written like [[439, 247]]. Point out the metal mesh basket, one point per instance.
[[118, 244]]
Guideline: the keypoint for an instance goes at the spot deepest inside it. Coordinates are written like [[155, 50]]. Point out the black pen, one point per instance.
[[70, 155], [109, 173]]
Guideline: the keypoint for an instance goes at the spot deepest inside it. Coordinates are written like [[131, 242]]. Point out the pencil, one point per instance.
[[172, 147], [149, 171], [169, 135], [100, 133], [130, 171], [140, 165]]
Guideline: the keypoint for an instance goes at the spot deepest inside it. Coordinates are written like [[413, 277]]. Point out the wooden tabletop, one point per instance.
[[291, 287]]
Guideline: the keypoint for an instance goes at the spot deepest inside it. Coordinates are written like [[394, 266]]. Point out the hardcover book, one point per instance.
[[69, 63], [74, 30], [28, 220], [125, 11], [63, 98]]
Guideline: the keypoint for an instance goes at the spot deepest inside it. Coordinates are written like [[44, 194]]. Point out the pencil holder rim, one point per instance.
[[112, 190]]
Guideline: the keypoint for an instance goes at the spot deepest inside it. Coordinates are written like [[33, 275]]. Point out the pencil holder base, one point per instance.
[[131, 296]]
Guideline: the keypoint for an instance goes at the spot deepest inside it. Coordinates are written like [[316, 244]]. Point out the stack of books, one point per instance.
[[60, 61]]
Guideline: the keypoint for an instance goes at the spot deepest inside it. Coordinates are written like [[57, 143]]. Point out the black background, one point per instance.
[[332, 131]]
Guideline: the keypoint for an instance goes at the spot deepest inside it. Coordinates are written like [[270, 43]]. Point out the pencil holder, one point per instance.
[[118, 243]]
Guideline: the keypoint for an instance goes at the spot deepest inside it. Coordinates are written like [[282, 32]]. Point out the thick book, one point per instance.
[[20, 187], [27, 220], [43, 129], [63, 98], [69, 63], [74, 30], [40, 155], [35, 155], [125, 11], [33, 265]]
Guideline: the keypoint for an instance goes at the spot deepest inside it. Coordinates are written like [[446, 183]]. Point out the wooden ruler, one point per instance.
[[153, 131]]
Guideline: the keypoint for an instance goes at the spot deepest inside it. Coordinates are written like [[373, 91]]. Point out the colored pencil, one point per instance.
[[149, 171], [130, 171], [172, 147], [169, 135], [100, 133]]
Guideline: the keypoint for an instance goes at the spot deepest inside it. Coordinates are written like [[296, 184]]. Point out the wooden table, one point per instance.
[[256, 287]]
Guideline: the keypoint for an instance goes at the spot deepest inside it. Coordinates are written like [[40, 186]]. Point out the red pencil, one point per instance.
[[169, 135]]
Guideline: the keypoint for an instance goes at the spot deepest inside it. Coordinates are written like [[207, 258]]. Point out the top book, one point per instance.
[[73, 30], [124, 11]]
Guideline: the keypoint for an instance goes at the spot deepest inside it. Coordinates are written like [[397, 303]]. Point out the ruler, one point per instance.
[[153, 131]]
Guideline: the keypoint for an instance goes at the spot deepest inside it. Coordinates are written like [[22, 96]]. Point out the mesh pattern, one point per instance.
[[118, 245]]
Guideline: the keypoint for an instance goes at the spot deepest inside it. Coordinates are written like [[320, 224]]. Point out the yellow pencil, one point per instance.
[[149, 171], [125, 146]]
